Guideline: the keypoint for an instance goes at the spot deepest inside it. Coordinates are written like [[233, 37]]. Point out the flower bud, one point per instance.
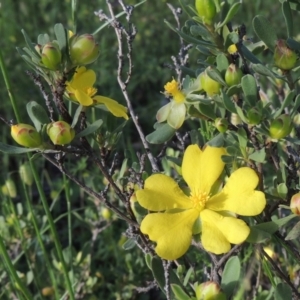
[[51, 56], [254, 116], [209, 85], [83, 49], [221, 124], [295, 204], [206, 10], [26, 135], [9, 188], [233, 75], [106, 213], [280, 127], [26, 174], [284, 57], [209, 290], [60, 133], [48, 291]]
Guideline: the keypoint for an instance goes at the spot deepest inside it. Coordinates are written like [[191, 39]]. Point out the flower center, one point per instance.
[[172, 89], [199, 199], [91, 91]]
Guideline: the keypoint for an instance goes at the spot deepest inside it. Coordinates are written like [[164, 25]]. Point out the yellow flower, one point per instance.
[[81, 89], [172, 226]]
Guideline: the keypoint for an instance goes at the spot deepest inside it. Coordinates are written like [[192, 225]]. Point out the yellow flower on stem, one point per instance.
[[172, 226], [81, 89]]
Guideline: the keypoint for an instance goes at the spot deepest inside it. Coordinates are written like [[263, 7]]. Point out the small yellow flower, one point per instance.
[[81, 89], [232, 49], [173, 90], [171, 227]]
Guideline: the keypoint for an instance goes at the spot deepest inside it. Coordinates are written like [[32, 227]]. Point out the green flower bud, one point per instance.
[[9, 188], [51, 56], [106, 213], [209, 290], [209, 85], [295, 204], [83, 49], [26, 135], [254, 116], [233, 75], [221, 124], [60, 133], [26, 174], [206, 10], [284, 57], [280, 127]]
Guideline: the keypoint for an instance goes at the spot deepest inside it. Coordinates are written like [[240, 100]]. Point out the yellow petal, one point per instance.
[[83, 98], [219, 231], [161, 193], [113, 106], [177, 115], [239, 195], [83, 79], [201, 169], [171, 232]]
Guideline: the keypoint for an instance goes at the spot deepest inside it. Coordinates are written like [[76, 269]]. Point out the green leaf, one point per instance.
[[258, 156], [188, 275], [250, 89], [222, 63], [249, 55], [163, 133], [288, 18], [283, 292], [216, 75], [148, 259], [264, 30], [90, 129], [281, 222], [263, 70], [217, 141], [61, 36], [294, 45], [129, 244], [294, 109], [282, 190], [231, 38], [43, 39], [242, 136], [30, 44], [231, 275], [228, 103], [294, 233], [231, 13], [207, 110], [287, 101], [179, 293], [257, 236], [76, 116], [37, 114], [15, 150], [199, 30]]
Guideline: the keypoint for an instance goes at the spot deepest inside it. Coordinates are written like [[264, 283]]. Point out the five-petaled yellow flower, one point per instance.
[[81, 89], [172, 226]]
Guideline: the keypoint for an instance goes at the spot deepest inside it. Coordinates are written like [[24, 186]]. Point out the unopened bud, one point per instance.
[[48, 291], [284, 57], [26, 135], [280, 127], [295, 204], [233, 75], [26, 174], [254, 116], [221, 124], [210, 86], [83, 49], [106, 213], [9, 188], [206, 10], [60, 133], [51, 56], [209, 290]]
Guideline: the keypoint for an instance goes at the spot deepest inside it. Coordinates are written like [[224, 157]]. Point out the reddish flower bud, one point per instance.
[[83, 49], [233, 75], [51, 56], [209, 290], [280, 127], [284, 57], [26, 135], [60, 133], [295, 204]]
